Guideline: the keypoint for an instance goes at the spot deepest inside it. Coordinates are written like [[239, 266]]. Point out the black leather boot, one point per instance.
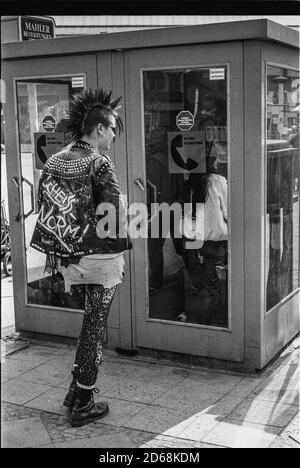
[[85, 410], [70, 396]]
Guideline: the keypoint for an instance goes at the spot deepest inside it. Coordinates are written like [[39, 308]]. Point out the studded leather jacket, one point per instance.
[[71, 222]]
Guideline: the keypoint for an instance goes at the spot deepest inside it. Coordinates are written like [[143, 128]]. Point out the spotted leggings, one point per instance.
[[88, 357]]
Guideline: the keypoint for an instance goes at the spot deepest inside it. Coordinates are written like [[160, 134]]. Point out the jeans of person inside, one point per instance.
[[204, 274]]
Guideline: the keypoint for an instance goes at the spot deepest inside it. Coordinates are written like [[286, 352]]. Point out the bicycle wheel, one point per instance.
[[7, 265]]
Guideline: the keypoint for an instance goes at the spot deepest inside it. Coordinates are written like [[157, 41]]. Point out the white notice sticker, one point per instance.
[[77, 82], [186, 152], [217, 73]]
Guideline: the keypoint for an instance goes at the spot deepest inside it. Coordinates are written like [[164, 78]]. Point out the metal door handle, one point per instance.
[[154, 189], [16, 183], [31, 196], [140, 184]]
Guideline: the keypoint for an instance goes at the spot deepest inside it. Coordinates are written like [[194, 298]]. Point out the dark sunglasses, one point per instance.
[[114, 129]]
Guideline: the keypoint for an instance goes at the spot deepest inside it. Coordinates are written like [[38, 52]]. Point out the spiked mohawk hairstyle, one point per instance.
[[91, 107]]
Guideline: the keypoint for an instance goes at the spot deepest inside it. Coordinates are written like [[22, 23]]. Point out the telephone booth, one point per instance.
[[227, 93]]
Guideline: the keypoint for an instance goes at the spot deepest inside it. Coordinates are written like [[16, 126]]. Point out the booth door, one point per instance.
[[35, 129], [184, 108]]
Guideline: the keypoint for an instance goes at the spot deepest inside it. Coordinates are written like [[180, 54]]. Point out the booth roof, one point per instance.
[[262, 29]]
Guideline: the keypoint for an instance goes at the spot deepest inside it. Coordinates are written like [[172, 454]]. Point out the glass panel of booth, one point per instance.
[[282, 178], [41, 105], [186, 163]]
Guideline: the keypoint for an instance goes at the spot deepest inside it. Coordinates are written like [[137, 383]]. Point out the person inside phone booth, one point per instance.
[[205, 232], [212, 112]]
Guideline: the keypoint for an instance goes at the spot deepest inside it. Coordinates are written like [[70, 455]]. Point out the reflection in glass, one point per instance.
[[282, 218], [42, 106], [185, 121]]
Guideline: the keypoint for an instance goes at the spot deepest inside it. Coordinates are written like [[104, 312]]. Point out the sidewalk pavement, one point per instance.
[[152, 403], [7, 305]]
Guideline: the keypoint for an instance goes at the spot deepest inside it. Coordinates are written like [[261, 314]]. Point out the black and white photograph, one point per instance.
[[150, 201]]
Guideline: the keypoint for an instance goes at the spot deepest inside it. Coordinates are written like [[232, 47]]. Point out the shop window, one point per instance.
[[42, 105], [282, 210], [186, 159]]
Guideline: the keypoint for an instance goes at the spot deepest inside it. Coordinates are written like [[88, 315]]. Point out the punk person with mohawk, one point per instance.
[[74, 184]]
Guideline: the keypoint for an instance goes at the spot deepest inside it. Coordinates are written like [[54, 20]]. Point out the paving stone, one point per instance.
[[12, 368], [109, 382], [246, 386], [260, 411], [158, 420], [288, 396], [237, 434], [225, 405], [114, 440], [153, 404], [139, 437], [294, 425], [203, 422], [191, 395], [104, 382], [72, 431], [49, 374], [290, 436], [281, 379], [124, 367], [50, 401], [23, 433], [59, 428], [285, 442], [45, 446], [55, 426], [163, 372], [157, 443], [161, 378], [10, 411], [112, 374], [199, 426], [10, 346], [290, 356], [91, 435], [33, 359], [38, 354], [218, 379], [66, 361], [139, 389], [172, 442], [120, 410], [20, 391]]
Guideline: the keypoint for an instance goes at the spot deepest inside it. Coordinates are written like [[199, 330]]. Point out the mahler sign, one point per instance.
[[36, 28]]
